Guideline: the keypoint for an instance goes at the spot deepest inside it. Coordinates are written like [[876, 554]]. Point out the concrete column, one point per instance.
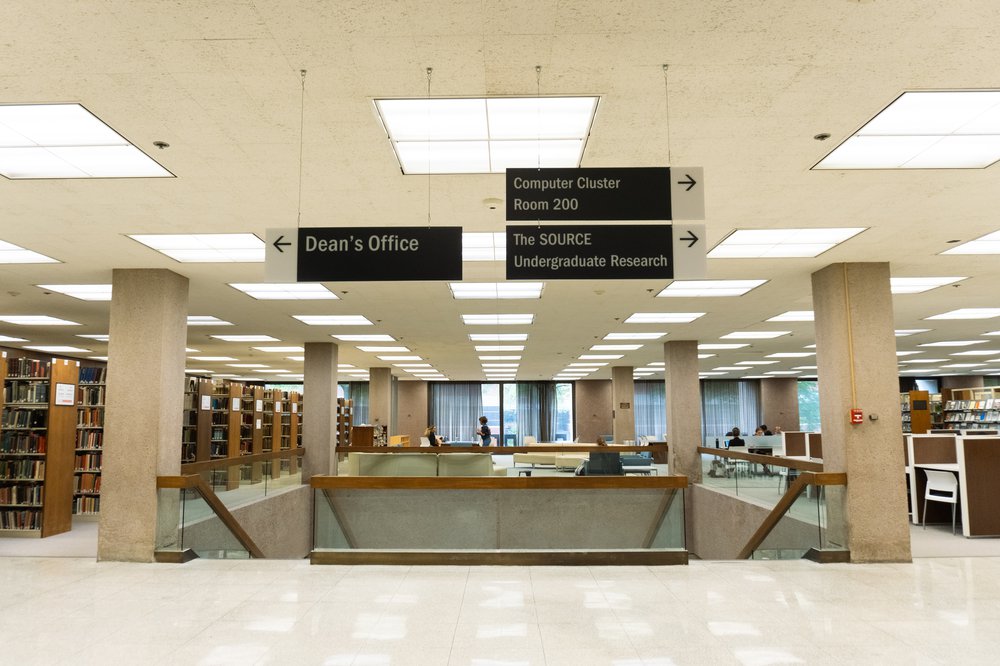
[[380, 397], [143, 410], [683, 393], [412, 408], [623, 403], [856, 356], [779, 399], [319, 407], [592, 407]]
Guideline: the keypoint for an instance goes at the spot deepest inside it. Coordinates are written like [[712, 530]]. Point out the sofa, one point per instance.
[[419, 464]]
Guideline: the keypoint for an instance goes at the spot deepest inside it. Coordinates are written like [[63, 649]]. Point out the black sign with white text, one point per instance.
[[377, 254], [590, 252]]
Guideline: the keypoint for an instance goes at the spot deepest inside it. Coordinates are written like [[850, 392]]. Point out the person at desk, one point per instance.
[[431, 435], [736, 440], [484, 432], [600, 441]]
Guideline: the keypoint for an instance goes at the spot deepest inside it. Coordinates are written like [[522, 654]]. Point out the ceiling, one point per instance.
[[749, 85]]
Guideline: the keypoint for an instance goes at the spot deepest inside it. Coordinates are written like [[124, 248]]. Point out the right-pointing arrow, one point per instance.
[[690, 237], [690, 182]]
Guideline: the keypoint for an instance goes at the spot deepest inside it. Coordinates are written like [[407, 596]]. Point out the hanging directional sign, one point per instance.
[[621, 193], [605, 252], [363, 254]]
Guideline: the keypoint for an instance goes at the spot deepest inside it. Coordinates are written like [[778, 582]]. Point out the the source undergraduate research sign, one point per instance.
[[605, 252]]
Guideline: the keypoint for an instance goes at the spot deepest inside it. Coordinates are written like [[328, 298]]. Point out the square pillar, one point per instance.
[[623, 403], [683, 398], [319, 405], [143, 408], [779, 399], [856, 358], [380, 398]]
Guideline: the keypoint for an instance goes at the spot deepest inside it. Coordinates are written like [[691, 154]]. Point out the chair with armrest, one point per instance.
[[425, 441], [941, 487], [529, 440]]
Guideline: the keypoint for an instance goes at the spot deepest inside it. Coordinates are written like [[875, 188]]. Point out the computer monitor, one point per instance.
[[604, 463]]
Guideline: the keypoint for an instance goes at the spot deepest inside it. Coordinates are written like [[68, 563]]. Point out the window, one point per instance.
[[650, 410], [358, 392], [809, 406], [725, 404], [543, 410]]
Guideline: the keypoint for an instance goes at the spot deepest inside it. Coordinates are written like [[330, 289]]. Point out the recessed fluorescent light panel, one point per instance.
[[794, 315], [374, 337], [36, 320], [205, 248], [487, 135], [495, 290], [498, 337], [296, 291], [57, 349], [791, 355], [213, 358], [600, 357], [490, 246], [918, 285], [15, 254], [245, 338], [497, 319], [753, 335], [978, 352], [950, 129], [756, 362], [781, 243], [382, 349], [708, 288], [903, 332], [333, 320], [206, 320], [8, 338], [954, 343], [634, 336], [499, 348], [284, 350], [722, 345], [85, 292], [968, 313], [908, 353], [988, 244], [67, 141], [663, 317], [500, 357], [246, 365], [615, 347], [100, 337], [399, 358]]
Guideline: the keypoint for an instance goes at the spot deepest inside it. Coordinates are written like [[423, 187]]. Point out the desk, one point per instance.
[[944, 467]]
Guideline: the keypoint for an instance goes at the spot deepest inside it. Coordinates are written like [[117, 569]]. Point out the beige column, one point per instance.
[[856, 356], [779, 399], [380, 397], [143, 410], [623, 403], [592, 408], [412, 409], [683, 397], [319, 405]]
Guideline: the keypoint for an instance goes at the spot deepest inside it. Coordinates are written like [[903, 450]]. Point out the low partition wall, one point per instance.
[[658, 450], [499, 520]]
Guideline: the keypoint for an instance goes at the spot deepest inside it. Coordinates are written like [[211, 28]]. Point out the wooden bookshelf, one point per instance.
[[88, 452], [37, 441], [972, 408], [196, 433], [345, 419]]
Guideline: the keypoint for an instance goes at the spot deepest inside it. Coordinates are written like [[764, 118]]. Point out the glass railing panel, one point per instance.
[[719, 472], [806, 525], [169, 521], [204, 532]]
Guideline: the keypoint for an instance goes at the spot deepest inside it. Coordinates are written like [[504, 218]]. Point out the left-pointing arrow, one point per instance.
[[278, 244]]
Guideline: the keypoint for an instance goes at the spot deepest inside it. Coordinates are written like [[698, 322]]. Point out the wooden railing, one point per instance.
[[226, 463]]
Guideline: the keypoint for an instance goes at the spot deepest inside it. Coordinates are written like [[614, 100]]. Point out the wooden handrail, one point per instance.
[[762, 459], [785, 503], [196, 483], [497, 482], [225, 463]]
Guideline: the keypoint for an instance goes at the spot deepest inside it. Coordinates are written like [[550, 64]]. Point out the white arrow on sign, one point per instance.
[[690, 248], [687, 193], [281, 262]]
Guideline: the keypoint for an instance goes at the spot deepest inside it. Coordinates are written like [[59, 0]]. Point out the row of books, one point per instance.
[[16, 391], [90, 417], [90, 395], [992, 416], [88, 461], [958, 405], [22, 442], [14, 417], [26, 367], [84, 505], [87, 482], [89, 439], [22, 469], [20, 519], [93, 375], [21, 494]]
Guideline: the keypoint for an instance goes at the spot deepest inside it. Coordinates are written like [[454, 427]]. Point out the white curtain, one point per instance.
[[455, 409], [730, 403], [650, 409]]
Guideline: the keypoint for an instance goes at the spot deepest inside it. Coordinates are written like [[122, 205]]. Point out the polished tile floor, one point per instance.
[[77, 611]]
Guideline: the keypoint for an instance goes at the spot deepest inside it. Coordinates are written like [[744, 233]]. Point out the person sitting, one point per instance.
[[736, 440], [764, 430], [759, 431], [431, 435], [600, 441]]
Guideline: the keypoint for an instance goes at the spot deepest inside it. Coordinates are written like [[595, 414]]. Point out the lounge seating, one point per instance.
[[419, 464]]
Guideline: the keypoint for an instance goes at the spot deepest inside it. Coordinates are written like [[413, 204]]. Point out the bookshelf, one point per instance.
[[972, 409], [37, 442], [345, 419], [251, 431], [915, 409], [89, 447], [196, 431]]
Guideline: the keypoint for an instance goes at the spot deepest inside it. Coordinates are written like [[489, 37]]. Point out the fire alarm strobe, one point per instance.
[[857, 416]]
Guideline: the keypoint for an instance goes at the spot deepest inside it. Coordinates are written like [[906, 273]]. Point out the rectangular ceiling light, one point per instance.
[[495, 290], [988, 244], [968, 313], [781, 243], [794, 315], [600, 357], [100, 337], [499, 348], [705, 355], [756, 362], [903, 332], [36, 320], [791, 355], [977, 352], [498, 337], [295, 291], [949, 129], [400, 358], [712, 374], [333, 320], [57, 349], [593, 365], [499, 357], [634, 336], [722, 345], [615, 347], [15, 254], [374, 337], [67, 141], [963, 365], [499, 365], [954, 343], [412, 365], [924, 360], [907, 353], [245, 338], [918, 285], [708, 288], [490, 246], [754, 335], [497, 319], [205, 248], [663, 317], [383, 349], [213, 358], [486, 135], [246, 365], [782, 372], [280, 350], [8, 338], [85, 292], [206, 320]]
